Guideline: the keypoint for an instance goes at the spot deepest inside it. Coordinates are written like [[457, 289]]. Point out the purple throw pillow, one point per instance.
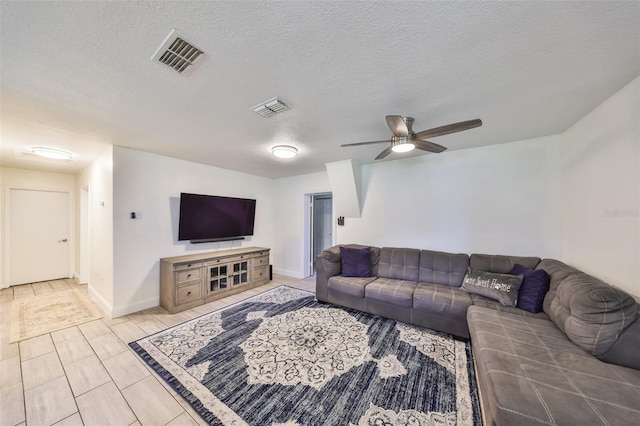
[[356, 262], [535, 286]]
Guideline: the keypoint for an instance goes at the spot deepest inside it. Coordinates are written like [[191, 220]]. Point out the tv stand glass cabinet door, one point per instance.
[[218, 280], [225, 274]]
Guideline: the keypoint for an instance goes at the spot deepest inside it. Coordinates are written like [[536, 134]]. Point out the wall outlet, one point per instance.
[[135, 215]]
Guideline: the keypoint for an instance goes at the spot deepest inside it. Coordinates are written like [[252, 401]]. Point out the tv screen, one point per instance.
[[210, 217]]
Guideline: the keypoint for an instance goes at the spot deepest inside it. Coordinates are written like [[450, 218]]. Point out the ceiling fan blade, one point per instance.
[[449, 128], [397, 125], [365, 143], [429, 146], [384, 153]]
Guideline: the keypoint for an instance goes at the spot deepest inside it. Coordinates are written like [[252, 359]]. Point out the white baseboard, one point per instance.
[[288, 273], [118, 311], [130, 308], [104, 305], [76, 276]]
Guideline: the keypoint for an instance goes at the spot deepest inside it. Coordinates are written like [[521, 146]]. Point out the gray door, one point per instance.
[[322, 224]]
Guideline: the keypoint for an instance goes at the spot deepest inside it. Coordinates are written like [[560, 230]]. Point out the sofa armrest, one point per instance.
[[328, 264]]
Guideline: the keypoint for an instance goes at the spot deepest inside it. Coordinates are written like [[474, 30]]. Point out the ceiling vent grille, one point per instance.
[[270, 107], [178, 53]]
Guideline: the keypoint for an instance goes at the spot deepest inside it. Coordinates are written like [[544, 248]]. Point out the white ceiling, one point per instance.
[[78, 75]]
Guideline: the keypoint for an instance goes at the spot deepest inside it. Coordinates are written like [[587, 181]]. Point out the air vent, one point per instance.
[[178, 53], [270, 107]]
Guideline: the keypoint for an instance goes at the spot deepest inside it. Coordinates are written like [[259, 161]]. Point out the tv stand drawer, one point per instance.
[[188, 275], [261, 261], [188, 293], [261, 274], [181, 266]]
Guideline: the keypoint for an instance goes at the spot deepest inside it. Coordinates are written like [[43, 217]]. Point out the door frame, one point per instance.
[[308, 230], [84, 254], [7, 228]]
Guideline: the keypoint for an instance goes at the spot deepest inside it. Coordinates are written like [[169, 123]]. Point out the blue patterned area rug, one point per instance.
[[282, 358]]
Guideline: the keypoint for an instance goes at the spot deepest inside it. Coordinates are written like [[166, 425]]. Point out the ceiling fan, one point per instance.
[[404, 139]]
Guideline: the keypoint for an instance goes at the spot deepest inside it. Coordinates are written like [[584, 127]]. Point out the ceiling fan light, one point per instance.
[[403, 147], [52, 153], [284, 151]]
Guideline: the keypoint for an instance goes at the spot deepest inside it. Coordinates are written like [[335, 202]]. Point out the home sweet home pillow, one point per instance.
[[501, 287]]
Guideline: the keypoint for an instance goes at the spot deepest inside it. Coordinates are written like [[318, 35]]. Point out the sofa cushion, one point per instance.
[[353, 286], [501, 287], [558, 271], [394, 292], [355, 261], [535, 284], [399, 263], [591, 312], [624, 350], [438, 267], [500, 264], [441, 298], [530, 373]]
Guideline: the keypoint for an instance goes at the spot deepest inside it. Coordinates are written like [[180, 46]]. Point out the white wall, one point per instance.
[[601, 219], [291, 240], [501, 199], [29, 179], [98, 176], [150, 185]]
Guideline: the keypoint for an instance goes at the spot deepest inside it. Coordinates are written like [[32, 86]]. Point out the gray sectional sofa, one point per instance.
[[575, 363]]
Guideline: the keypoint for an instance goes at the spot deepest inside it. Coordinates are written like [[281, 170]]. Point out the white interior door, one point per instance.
[[39, 237]]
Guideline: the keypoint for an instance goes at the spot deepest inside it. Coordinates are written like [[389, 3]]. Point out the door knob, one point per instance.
[[62, 241]]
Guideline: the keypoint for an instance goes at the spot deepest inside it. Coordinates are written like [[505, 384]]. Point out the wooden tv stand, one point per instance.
[[194, 279]]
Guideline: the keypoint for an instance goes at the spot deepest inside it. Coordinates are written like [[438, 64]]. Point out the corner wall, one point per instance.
[[601, 208], [150, 185], [98, 176]]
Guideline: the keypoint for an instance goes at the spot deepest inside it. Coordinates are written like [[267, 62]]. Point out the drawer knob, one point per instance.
[[189, 276], [188, 293]]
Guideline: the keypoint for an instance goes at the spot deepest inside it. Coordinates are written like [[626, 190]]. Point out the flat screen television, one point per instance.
[[205, 218]]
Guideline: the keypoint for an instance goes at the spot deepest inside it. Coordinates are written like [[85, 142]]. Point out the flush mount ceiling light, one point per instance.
[[270, 107], [53, 153], [284, 151], [402, 143]]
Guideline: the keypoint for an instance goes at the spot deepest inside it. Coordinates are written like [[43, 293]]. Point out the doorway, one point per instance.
[[321, 219], [38, 239]]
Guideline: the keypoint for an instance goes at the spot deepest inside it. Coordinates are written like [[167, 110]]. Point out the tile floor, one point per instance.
[[86, 374]]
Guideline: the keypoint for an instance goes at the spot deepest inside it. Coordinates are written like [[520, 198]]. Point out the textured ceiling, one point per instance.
[[78, 75]]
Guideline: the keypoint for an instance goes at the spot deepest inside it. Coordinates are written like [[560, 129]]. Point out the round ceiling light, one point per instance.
[[53, 153], [284, 151], [405, 147], [402, 143]]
